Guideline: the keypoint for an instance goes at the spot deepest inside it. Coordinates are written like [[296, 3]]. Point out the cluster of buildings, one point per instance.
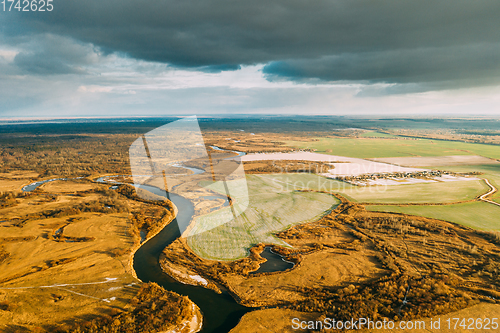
[[373, 177]]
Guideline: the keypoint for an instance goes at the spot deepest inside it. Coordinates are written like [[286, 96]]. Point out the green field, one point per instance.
[[277, 202], [442, 192], [271, 209], [476, 215], [490, 172], [439, 192], [373, 148]]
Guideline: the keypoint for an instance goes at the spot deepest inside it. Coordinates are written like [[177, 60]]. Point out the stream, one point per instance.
[[274, 263], [221, 312]]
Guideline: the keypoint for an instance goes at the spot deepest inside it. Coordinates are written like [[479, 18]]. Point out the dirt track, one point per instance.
[[492, 191]]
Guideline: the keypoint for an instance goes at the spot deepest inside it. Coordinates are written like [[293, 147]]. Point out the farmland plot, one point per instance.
[[476, 215], [437, 192], [400, 147], [270, 210]]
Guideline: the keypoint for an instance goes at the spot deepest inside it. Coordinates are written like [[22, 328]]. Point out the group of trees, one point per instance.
[[149, 217], [432, 267], [64, 155], [102, 205], [153, 310], [8, 199], [384, 299], [286, 166]]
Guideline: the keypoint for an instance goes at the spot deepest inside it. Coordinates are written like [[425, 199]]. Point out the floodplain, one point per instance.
[[355, 250], [271, 209]]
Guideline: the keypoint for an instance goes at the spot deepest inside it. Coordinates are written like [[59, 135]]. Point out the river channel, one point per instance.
[[221, 312]]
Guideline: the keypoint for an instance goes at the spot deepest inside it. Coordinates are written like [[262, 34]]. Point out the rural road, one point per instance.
[[492, 190]]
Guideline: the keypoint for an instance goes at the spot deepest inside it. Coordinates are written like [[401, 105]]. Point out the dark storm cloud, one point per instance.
[[389, 41], [455, 63]]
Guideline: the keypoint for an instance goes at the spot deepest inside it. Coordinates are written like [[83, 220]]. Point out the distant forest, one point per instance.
[[86, 147]]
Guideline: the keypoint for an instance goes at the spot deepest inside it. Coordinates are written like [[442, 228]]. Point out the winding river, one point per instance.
[[220, 312]]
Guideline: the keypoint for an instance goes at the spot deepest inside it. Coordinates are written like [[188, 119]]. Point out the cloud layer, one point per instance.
[[124, 57], [398, 41], [49, 54]]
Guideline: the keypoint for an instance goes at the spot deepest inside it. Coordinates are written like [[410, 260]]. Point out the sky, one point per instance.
[[117, 58]]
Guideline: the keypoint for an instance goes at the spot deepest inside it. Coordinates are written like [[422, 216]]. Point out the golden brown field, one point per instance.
[[354, 263], [66, 256], [65, 251]]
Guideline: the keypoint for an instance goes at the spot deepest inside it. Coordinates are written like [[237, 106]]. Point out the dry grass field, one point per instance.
[[480, 311], [61, 268], [356, 263], [317, 270], [12, 185], [65, 254], [250, 142], [64, 249], [66, 186], [271, 320], [281, 320], [19, 174], [15, 180]]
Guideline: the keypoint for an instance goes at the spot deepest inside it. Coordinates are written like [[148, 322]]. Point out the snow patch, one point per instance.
[[199, 279]]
